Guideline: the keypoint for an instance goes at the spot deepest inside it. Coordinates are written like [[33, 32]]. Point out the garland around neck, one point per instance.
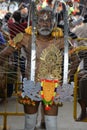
[[57, 32]]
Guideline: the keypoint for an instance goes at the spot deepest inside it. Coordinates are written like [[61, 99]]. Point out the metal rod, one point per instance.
[[66, 44], [33, 45]]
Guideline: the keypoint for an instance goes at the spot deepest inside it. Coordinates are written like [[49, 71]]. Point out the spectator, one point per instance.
[[81, 32], [14, 28], [5, 21], [23, 8], [17, 26]]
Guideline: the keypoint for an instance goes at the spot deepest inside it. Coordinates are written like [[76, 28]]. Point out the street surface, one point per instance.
[[65, 117]]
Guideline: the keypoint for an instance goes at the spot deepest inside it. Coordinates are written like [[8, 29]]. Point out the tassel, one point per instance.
[[47, 108]]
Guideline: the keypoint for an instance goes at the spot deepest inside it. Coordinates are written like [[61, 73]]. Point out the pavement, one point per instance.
[[65, 117]]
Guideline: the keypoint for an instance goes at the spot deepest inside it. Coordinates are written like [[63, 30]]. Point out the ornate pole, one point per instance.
[[66, 27], [33, 45], [66, 58]]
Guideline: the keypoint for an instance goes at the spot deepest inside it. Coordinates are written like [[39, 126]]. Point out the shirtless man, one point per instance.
[[48, 69]]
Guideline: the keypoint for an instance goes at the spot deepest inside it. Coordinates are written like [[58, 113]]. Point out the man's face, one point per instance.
[[24, 12], [44, 24]]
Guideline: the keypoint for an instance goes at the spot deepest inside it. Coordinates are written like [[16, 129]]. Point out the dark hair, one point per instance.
[[22, 6], [17, 16], [85, 18], [7, 16]]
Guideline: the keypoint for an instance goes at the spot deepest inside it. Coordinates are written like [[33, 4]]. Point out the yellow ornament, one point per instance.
[[28, 30], [57, 32]]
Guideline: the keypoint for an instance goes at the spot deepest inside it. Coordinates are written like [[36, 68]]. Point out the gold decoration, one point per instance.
[[28, 30], [57, 32], [18, 38], [50, 63], [12, 44]]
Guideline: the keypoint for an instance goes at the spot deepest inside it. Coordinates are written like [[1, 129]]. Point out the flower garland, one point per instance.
[[48, 92], [57, 32], [12, 44], [25, 100]]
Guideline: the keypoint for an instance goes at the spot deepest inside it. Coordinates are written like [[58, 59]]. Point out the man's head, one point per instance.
[[17, 16], [45, 21], [24, 10]]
